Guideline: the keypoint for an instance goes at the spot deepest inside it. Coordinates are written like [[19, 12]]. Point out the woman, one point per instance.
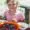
[[11, 14]]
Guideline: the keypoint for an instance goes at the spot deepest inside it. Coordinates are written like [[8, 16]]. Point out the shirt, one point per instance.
[[18, 16]]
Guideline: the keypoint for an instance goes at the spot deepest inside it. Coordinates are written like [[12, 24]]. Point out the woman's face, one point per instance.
[[12, 6]]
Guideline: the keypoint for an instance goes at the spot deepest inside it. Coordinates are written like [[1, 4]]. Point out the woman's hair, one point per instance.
[[8, 1]]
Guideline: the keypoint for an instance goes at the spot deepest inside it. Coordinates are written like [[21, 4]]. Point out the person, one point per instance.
[[12, 14]]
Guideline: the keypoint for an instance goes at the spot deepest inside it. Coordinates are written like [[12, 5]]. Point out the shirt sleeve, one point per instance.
[[20, 17]]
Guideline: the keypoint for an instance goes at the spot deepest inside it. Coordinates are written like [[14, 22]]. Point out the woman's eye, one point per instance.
[[9, 4]]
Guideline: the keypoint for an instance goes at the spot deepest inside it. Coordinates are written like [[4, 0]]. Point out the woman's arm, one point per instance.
[[4, 16], [20, 17]]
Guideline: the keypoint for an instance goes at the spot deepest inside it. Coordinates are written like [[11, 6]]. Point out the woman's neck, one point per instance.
[[12, 12]]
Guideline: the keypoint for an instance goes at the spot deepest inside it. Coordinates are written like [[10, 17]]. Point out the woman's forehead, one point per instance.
[[11, 2]]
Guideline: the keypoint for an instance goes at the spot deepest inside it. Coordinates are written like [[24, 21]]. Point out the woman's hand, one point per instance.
[[14, 19]]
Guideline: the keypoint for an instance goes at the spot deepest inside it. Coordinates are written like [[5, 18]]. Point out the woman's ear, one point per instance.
[[16, 4]]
